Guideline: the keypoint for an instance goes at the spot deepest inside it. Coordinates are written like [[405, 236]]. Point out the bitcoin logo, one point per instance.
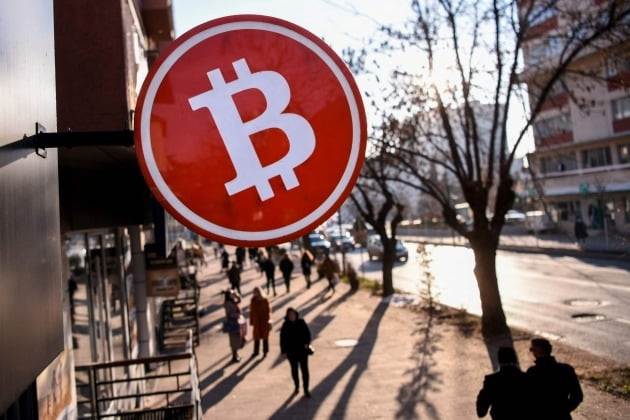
[[236, 133]]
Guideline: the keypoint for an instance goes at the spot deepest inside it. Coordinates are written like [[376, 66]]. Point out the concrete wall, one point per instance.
[[31, 331]]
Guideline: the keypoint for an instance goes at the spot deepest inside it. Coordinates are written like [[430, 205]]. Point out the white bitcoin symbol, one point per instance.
[[236, 133]]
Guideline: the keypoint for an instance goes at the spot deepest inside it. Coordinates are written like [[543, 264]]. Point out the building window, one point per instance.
[[541, 12], [568, 210], [593, 158], [553, 126], [558, 163], [621, 108], [617, 64], [549, 47], [623, 152]]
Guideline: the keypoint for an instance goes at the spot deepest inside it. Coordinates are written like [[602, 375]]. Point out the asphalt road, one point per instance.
[[583, 302]]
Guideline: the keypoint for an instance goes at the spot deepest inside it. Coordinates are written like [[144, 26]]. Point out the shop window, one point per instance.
[[623, 152], [593, 158], [568, 210]]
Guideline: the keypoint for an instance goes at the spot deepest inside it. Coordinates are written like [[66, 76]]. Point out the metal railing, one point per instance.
[[162, 387]]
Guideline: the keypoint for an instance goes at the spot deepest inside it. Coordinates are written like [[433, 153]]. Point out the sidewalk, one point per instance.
[[373, 360], [597, 245]]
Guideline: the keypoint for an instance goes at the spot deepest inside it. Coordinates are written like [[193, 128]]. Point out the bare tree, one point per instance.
[[459, 124], [378, 202]]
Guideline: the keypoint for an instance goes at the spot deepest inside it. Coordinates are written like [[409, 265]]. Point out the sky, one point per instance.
[[340, 23]]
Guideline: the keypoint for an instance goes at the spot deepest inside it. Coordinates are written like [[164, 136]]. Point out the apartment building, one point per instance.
[[582, 134]]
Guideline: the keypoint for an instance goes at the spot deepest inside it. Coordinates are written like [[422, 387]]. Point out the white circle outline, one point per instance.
[[181, 208]]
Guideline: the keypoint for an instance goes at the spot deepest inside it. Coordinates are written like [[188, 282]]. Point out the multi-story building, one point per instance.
[[73, 68], [582, 133]]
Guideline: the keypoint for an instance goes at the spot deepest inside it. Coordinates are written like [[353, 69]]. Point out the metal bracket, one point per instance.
[[41, 151]]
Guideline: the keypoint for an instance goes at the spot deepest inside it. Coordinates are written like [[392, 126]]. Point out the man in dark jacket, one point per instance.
[[269, 268], [286, 267], [556, 387], [295, 339], [234, 276], [506, 392]]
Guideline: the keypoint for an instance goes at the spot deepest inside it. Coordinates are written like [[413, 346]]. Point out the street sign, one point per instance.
[[250, 130]]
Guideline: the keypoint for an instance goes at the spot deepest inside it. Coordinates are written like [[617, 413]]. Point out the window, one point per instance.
[[550, 47], [621, 108], [617, 64], [542, 12], [568, 210], [623, 152], [593, 158], [553, 126], [559, 163]]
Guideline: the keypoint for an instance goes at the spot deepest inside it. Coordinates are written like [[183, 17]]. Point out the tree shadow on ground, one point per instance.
[[424, 378], [223, 388], [356, 362]]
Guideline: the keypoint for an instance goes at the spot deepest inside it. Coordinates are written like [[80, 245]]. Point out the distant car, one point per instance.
[[344, 243], [318, 244], [514, 217], [375, 249]]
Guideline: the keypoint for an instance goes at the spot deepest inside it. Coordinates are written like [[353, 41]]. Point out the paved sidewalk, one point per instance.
[[373, 360]]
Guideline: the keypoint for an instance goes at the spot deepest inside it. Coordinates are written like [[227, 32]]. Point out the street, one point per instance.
[[583, 302]]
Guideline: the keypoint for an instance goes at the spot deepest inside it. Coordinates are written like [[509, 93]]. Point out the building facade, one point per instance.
[[581, 163], [73, 68]]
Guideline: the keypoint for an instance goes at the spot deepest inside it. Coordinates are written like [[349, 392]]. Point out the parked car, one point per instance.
[[375, 249], [318, 244], [514, 217], [344, 242]]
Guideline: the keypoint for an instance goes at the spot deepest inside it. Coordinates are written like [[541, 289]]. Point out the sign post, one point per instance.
[[250, 130]]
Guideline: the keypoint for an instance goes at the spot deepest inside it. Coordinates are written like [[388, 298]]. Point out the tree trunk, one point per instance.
[[493, 321], [389, 254]]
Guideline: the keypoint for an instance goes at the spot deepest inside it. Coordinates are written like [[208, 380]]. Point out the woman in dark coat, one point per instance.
[[295, 339]]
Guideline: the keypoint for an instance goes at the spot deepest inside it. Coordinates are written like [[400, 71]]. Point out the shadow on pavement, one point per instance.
[[356, 362], [413, 394], [223, 388]]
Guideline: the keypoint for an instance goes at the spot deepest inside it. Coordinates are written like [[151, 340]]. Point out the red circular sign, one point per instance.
[[250, 130]]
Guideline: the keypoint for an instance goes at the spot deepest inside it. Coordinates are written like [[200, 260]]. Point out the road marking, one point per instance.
[[625, 321]]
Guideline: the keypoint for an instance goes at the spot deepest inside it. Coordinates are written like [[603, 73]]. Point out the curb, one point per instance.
[[605, 254]]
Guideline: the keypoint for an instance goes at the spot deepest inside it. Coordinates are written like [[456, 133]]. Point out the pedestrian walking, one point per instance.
[[507, 393], [240, 257], [225, 260], [234, 276], [72, 290], [286, 268], [270, 272], [307, 262], [330, 269], [235, 325], [556, 388], [252, 254], [260, 320], [580, 230], [295, 341]]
